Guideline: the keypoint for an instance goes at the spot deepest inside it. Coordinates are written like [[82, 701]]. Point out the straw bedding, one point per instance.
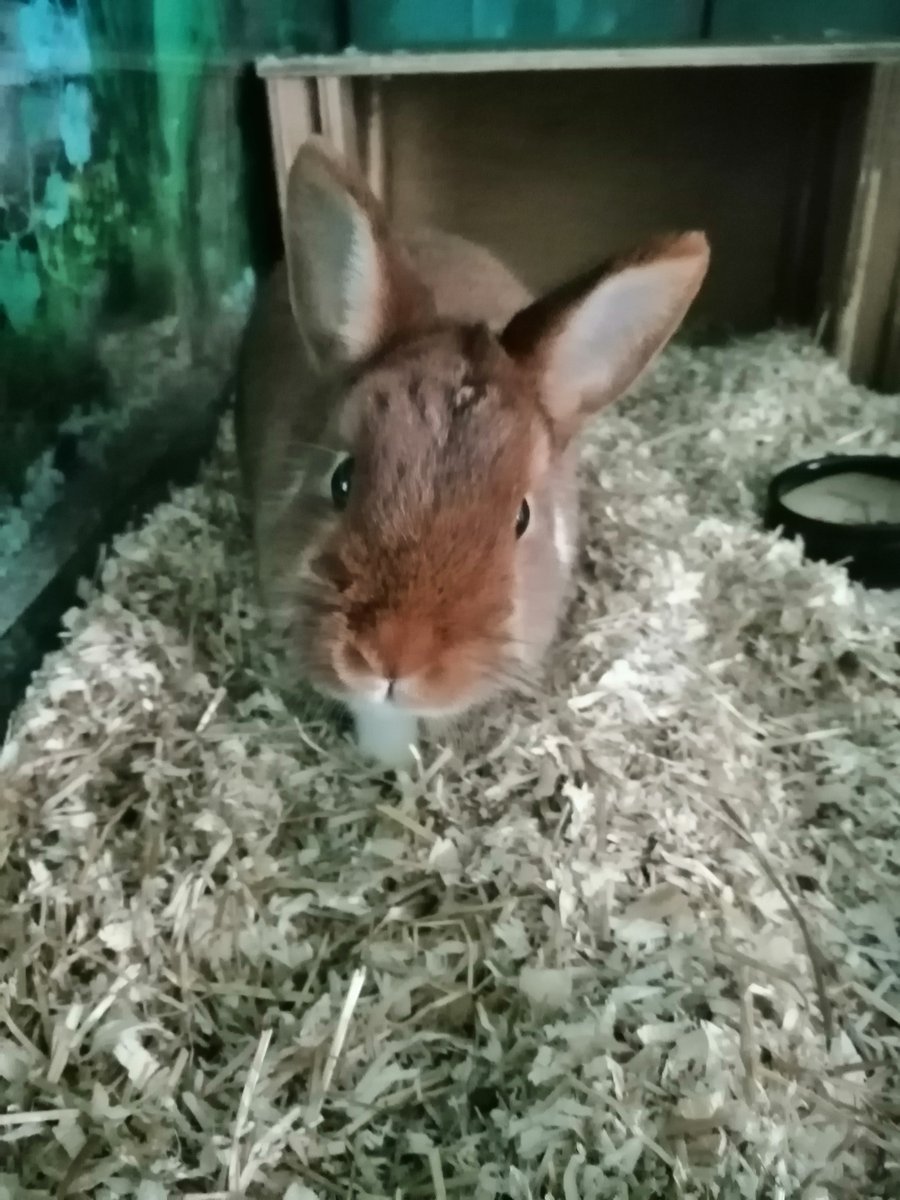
[[635, 937]]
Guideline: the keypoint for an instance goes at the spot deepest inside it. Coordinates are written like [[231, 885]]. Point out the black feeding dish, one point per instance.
[[844, 508]]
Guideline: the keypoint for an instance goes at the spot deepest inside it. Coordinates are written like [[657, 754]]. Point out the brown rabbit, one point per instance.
[[406, 427]]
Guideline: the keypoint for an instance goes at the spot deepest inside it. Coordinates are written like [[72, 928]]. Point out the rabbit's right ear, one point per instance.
[[589, 340], [351, 288]]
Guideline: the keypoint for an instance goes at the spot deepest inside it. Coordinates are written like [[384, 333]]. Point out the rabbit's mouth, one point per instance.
[[442, 684], [437, 692]]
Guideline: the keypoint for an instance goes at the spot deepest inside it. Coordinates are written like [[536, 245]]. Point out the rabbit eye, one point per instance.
[[523, 518], [340, 484]]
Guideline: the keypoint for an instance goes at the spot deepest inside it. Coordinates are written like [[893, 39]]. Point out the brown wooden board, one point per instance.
[[554, 172], [867, 324]]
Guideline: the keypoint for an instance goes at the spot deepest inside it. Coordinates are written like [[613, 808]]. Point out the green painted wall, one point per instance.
[[120, 192], [393, 24]]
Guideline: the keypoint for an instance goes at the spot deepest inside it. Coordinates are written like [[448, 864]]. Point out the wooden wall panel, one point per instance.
[[868, 304], [554, 171]]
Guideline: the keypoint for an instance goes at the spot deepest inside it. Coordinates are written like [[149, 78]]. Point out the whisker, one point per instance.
[[507, 675], [503, 639], [524, 687], [318, 447]]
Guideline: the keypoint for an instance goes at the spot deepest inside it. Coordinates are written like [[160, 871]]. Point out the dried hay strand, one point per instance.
[[634, 936]]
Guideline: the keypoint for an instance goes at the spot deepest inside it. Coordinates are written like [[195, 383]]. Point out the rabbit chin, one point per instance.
[[384, 732], [389, 733]]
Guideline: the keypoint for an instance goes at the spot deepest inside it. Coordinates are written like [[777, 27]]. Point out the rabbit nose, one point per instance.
[[402, 648], [382, 663]]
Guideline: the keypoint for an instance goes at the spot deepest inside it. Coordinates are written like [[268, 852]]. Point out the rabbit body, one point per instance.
[[406, 420]]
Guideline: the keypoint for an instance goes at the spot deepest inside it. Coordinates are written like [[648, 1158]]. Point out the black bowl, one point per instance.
[[871, 551]]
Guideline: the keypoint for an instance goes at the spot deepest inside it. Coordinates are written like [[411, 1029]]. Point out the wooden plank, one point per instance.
[[375, 148], [338, 114], [867, 299], [843, 166], [824, 166], [890, 370], [822, 94], [462, 62], [292, 115]]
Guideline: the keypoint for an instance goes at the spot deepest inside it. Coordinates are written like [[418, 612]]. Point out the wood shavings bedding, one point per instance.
[[636, 937]]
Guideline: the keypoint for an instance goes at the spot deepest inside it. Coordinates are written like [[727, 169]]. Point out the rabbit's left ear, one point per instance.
[[588, 341], [351, 286]]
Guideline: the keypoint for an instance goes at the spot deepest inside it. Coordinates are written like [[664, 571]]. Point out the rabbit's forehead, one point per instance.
[[442, 410]]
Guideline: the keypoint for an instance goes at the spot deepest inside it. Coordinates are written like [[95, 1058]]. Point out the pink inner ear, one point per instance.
[[590, 340], [340, 293]]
